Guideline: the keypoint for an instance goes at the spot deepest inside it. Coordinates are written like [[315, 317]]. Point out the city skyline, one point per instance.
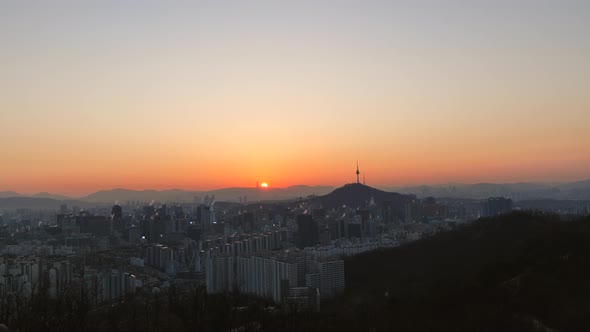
[[199, 96]]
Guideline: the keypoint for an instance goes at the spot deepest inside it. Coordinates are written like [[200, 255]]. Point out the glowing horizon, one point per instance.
[[102, 94]]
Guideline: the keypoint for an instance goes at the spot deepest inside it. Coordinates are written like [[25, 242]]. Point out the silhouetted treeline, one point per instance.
[[517, 272]]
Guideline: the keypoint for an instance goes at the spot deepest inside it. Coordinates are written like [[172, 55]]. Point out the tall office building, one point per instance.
[[117, 218], [266, 276], [307, 231], [496, 205], [331, 278], [96, 225], [220, 276]]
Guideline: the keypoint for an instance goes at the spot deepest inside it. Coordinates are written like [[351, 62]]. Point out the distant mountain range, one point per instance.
[[24, 202], [6, 194], [11, 199], [226, 194], [10, 194], [517, 191], [579, 190], [358, 195]]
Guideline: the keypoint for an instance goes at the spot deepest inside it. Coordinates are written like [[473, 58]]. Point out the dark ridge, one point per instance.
[[356, 195], [518, 272]]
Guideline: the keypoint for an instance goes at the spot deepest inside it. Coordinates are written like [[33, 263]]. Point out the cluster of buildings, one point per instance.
[[161, 257], [285, 276], [107, 284], [494, 206], [29, 248], [348, 249], [25, 276]]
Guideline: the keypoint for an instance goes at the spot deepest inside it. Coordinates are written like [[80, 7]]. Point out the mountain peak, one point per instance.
[[358, 195]]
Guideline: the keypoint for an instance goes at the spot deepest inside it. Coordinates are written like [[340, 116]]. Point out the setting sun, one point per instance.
[[264, 185]]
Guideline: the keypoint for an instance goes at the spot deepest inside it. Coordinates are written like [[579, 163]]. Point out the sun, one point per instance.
[[264, 185]]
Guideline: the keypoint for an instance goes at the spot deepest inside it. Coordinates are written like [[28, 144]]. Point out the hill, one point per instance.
[[358, 195], [6, 194], [519, 272], [225, 194], [11, 203], [52, 196]]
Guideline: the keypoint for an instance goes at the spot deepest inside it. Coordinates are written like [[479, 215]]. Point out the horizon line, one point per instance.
[[378, 186]]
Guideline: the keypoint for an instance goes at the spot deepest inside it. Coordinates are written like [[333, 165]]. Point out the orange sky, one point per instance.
[[202, 96]]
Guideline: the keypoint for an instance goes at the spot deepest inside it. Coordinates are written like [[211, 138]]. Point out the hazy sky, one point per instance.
[[206, 94]]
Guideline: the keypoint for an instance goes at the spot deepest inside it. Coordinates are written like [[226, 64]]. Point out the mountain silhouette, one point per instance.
[[225, 194], [517, 272], [357, 195], [6, 194]]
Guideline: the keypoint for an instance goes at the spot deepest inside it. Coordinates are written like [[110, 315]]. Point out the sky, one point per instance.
[[210, 94]]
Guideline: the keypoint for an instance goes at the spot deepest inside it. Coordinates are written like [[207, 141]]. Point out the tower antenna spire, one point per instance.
[[357, 172]]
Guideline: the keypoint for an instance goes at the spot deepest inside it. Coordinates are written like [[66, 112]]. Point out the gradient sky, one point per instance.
[[208, 94]]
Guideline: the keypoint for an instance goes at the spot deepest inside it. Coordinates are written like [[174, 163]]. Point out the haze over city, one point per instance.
[[205, 95]]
